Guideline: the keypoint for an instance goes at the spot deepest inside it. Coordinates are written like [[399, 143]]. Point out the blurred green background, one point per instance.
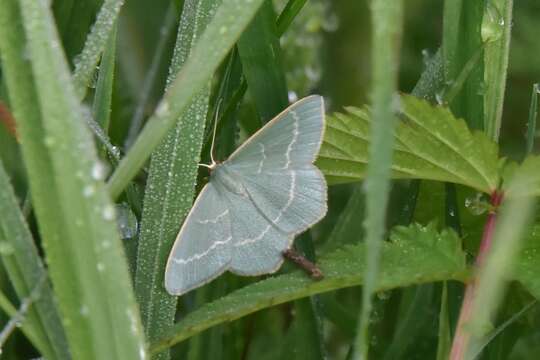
[[326, 51]]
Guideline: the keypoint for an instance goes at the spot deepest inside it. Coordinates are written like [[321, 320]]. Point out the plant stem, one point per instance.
[[462, 336]]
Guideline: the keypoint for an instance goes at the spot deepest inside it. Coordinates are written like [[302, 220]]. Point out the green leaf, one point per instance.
[[21, 260], [387, 25], [230, 19], [260, 54], [75, 216], [171, 184], [461, 41], [414, 255], [95, 43], [496, 31], [529, 178], [101, 107], [527, 265], [430, 144]]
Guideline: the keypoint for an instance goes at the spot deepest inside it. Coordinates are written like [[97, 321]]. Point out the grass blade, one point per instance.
[[531, 123], [150, 79], [230, 20], [85, 255], [492, 276], [102, 100], [171, 183], [498, 22], [260, 54], [102, 30], [387, 19], [25, 268], [462, 21]]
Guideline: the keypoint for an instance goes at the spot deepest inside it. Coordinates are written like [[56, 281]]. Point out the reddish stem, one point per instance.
[[7, 119], [462, 336]]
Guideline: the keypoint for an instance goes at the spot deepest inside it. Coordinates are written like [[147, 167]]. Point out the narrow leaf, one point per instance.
[[21, 260], [260, 54], [102, 30], [415, 254], [75, 216], [229, 21], [387, 18], [496, 30], [171, 183]]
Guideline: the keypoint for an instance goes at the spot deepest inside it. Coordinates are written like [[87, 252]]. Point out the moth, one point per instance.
[[255, 203]]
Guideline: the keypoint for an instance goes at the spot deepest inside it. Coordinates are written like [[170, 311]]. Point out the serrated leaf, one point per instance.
[[525, 178], [414, 254], [430, 144]]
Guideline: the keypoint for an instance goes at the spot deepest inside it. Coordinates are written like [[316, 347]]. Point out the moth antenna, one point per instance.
[[214, 136]]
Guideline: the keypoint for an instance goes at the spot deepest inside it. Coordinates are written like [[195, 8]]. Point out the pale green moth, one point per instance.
[[255, 203]]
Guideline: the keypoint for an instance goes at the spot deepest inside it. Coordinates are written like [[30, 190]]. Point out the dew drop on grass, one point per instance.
[[127, 221], [108, 212], [99, 170], [163, 109], [492, 24], [477, 204], [89, 190], [293, 96]]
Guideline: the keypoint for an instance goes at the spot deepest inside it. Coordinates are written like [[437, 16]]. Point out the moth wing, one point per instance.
[[202, 249], [258, 245], [290, 140], [292, 199]]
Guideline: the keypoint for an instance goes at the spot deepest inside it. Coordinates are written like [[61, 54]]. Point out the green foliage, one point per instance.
[[414, 255], [430, 144], [70, 68]]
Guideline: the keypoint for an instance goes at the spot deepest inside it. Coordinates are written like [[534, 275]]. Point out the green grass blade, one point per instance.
[[76, 219], [414, 255], [87, 60], [498, 23], [288, 14], [151, 77], [492, 277], [462, 21], [533, 114], [171, 183], [101, 108], [27, 327], [445, 341], [230, 20], [21, 260], [260, 54], [387, 20]]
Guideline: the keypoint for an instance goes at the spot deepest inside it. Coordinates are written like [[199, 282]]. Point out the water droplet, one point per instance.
[[492, 24], [293, 97], [99, 170], [477, 204], [108, 212], [162, 109], [127, 221], [89, 190], [100, 267]]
